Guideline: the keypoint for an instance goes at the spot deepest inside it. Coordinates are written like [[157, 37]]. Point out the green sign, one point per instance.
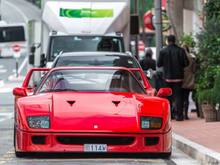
[[86, 13]]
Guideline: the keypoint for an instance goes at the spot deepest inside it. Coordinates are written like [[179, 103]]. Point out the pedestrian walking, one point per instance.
[[148, 62], [189, 79], [173, 59]]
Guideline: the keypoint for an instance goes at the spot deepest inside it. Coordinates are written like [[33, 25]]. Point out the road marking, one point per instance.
[[6, 90], [6, 116], [25, 61], [1, 83], [3, 70], [1, 66], [18, 10], [7, 157]]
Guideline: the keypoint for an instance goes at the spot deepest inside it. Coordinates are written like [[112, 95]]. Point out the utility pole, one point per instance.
[[158, 25], [136, 6], [159, 40]]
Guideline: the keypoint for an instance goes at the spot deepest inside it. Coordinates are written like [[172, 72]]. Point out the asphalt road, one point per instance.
[[7, 67]]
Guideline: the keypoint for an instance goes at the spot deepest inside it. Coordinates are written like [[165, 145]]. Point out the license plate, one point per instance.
[[95, 147]]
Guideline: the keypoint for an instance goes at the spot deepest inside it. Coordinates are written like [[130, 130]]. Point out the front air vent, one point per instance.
[[151, 141], [38, 139], [80, 140], [71, 102]]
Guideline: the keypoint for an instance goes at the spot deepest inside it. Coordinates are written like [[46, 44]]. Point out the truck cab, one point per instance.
[[60, 43]]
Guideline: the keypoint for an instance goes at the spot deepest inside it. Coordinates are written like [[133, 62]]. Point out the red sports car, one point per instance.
[[91, 109]]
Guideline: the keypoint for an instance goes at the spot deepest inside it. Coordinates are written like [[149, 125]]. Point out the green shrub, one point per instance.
[[208, 55], [187, 39], [211, 96]]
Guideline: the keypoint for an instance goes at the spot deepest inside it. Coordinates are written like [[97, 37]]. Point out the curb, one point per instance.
[[202, 154]]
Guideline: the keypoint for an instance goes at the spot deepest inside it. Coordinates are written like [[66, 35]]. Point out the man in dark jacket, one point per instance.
[[173, 59], [148, 62]]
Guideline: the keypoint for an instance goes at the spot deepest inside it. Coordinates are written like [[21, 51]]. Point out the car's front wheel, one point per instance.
[[17, 153], [166, 155]]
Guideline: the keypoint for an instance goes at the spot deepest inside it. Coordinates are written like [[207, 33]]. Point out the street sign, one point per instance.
[[17, 50]]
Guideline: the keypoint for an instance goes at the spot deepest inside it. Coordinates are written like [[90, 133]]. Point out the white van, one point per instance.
[[10, 35]]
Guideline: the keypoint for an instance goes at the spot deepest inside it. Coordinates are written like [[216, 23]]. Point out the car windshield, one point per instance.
[[93, 60], [91, 81], [61, 44]]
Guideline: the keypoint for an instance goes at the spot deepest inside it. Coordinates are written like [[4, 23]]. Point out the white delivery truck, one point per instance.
[[88, 25]]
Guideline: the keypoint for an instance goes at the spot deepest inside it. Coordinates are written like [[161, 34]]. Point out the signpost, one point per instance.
[[17, 53]]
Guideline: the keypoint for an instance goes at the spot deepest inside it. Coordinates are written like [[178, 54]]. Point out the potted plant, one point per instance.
[[210, 101]]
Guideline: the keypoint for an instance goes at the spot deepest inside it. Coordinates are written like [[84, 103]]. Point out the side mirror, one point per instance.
[[42, 60], [19, 92], [164, 92], [129, 53]]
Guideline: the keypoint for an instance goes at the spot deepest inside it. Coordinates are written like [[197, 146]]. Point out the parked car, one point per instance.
[[111, 59], [91, 110]]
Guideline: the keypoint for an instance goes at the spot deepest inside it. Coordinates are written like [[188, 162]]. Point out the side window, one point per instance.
[[135, 87], [139, 77]]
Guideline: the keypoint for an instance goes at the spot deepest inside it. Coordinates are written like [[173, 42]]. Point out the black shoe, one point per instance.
[[186, 118], [179, 119], [173, 117]]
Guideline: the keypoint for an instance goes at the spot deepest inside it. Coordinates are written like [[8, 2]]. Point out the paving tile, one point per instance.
[[199, 131]]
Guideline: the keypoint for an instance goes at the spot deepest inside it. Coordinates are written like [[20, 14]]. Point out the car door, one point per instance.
[[31, 81]]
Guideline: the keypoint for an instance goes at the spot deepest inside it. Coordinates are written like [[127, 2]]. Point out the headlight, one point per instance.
[[151, 123], [39, 122]]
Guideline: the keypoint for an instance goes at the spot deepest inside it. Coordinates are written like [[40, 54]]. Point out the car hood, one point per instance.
[[98, 112]]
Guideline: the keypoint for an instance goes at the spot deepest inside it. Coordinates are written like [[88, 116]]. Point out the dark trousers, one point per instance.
[[186, 101], [176, 100]]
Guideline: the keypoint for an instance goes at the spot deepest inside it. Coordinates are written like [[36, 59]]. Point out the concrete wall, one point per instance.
[[193, 22]]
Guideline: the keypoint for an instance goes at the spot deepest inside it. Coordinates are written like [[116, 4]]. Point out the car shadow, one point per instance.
[[94, 155]]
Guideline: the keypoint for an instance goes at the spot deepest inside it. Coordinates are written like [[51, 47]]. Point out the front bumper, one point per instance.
[[50, 142]]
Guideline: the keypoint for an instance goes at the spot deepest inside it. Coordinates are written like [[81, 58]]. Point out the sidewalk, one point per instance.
[[198, 138]]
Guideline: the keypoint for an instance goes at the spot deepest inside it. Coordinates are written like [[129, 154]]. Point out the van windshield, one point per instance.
[[62, 44], [12, 34]]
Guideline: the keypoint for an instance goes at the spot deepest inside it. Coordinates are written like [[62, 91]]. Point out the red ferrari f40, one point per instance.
[[92, 110]]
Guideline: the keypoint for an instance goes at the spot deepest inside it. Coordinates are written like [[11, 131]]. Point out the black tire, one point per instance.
[[20, 154], [17, 154], [166, 155]]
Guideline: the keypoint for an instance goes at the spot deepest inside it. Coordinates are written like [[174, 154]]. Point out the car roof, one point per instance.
[[69, 54]]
